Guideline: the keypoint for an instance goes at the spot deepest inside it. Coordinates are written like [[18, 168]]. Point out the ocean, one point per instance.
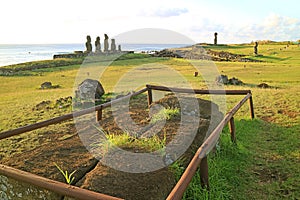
[[20, 53]]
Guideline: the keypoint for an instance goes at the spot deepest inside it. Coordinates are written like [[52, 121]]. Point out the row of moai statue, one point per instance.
[[89, 47]]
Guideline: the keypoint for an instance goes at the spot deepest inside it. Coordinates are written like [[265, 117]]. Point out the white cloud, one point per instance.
[[57, 21], [167, 12], [273, 27]]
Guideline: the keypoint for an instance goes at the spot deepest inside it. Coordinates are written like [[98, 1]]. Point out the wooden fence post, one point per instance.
[[232, 130], [149, 96], [251, 107], [204, 173], [99, 114]]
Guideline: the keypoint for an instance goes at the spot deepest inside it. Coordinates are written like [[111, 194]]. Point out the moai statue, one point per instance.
[[113, 45], [255, 48], [216, 38], [88, 44], [119, 48], [97, 45], [106, 43]]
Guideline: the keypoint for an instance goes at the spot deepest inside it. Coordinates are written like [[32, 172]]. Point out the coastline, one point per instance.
[[11, 54]]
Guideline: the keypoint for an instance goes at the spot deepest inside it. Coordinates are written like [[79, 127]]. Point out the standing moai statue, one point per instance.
[[216, 38], [106, 43], [113, 45], [119, 48], [97, 45], [88, 44], [255, 48]]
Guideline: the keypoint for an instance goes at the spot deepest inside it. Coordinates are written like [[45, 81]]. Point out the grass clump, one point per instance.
[[128, 141], [165, 114]]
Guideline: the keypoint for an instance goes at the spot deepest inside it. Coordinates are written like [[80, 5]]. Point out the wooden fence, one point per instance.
[[199, 159]]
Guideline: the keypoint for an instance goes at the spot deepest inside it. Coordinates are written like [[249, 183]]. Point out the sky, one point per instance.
[[66, 21]]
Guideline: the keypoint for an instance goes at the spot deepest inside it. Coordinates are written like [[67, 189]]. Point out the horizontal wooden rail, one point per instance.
[[51, 185], [197, 91], [31, 127], [201, 153]]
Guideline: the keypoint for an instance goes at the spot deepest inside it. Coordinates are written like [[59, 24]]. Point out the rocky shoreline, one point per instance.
[[197, 52]]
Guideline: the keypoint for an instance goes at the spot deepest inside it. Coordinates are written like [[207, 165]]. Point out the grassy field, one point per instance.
[[265, 162]]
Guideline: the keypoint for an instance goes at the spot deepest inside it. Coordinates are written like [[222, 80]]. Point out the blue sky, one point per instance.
[[66, 21]]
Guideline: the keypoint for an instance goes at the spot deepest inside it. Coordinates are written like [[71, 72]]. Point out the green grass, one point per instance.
[[165, 114], [260, 166], [263, 165], [69, 178], [131, 142]]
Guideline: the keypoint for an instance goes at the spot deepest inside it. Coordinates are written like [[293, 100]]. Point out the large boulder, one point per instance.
[[90, 89], [223, 79]]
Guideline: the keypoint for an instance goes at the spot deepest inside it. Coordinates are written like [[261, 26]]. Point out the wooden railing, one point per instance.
[[199, 159]]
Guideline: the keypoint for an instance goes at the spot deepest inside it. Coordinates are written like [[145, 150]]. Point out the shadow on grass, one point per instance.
[[226, 47], [269, 58]]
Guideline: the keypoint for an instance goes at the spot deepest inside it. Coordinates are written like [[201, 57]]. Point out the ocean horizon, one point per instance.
[[20, 53]]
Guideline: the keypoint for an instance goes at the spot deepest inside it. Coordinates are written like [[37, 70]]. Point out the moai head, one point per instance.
[[88, 38], [88, 44]]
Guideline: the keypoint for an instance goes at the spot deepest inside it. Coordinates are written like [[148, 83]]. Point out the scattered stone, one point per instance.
[[223, 79], [263, 85], [196, 52], [42, 105], [167, 53], [46, 85], [89, 90], [235, 81], [65, 102]]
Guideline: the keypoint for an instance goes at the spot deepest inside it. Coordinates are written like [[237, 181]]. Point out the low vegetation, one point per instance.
[[264, 164], [132, 143], [69, 178], [164, 114]]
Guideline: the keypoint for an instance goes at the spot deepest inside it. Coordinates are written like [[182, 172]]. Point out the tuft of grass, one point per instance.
[[127, 141], [165, 114], [69, 178]]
